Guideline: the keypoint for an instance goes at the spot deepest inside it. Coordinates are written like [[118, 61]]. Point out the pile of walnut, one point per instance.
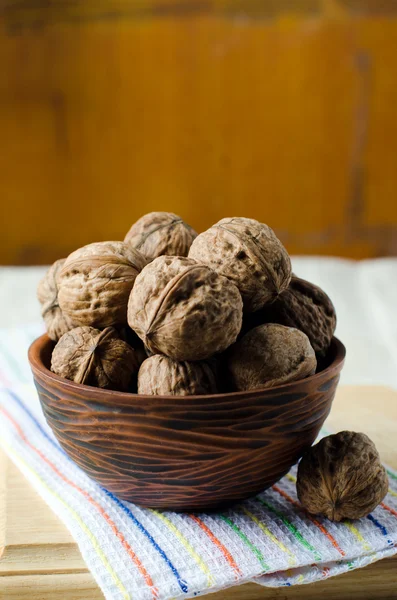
[[170, 312]]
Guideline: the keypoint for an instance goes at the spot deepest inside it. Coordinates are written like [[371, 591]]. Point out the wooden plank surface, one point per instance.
[[282, 110], [41, 561]]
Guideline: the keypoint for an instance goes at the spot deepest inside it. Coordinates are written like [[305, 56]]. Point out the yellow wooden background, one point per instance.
[[281, 110]]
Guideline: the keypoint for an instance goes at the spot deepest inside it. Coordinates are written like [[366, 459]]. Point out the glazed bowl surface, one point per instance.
[[185, 452]]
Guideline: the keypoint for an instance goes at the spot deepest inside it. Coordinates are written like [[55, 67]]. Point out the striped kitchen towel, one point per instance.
[[136, 553]]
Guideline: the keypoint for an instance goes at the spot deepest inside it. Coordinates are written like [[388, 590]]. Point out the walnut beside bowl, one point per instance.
[[185, 452]]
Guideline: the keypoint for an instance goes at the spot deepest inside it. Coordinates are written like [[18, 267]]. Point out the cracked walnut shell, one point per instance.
[[95, 283], [270, 355], [249, 254], [161, 233], [306, 307], [342, 477], [98, 358], [184, 309], [47, 293], [163, 376]]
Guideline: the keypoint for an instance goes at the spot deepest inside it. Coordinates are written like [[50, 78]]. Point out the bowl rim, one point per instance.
[[38, 367]]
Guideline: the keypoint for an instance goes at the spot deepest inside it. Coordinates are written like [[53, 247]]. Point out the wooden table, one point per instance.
[[41, 561]]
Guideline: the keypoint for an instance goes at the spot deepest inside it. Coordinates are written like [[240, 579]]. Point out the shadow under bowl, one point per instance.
[[185, 452]]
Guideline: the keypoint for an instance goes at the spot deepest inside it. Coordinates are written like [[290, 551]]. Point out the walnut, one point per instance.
[[248, 253], [342, 477], [159, 233], [183, 309], [304, 306], [163, 376], [97, 358], [47, 293], [270, 355], [95, 283]]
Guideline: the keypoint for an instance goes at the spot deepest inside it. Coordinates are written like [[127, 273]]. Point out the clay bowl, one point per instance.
[[185, 453]]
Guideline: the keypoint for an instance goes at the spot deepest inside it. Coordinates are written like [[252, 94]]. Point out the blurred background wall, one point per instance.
[[282, 110]]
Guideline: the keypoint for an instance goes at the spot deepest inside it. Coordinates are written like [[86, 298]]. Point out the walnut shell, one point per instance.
[[248, 253], [163, 376], [342, 477], [270, 355], [97, 358], [47, 293], [95, 282], [183, 309], [159, 233], [306, 307]]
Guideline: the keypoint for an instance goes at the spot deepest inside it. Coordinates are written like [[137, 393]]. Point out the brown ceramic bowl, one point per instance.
[[185, 452]]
